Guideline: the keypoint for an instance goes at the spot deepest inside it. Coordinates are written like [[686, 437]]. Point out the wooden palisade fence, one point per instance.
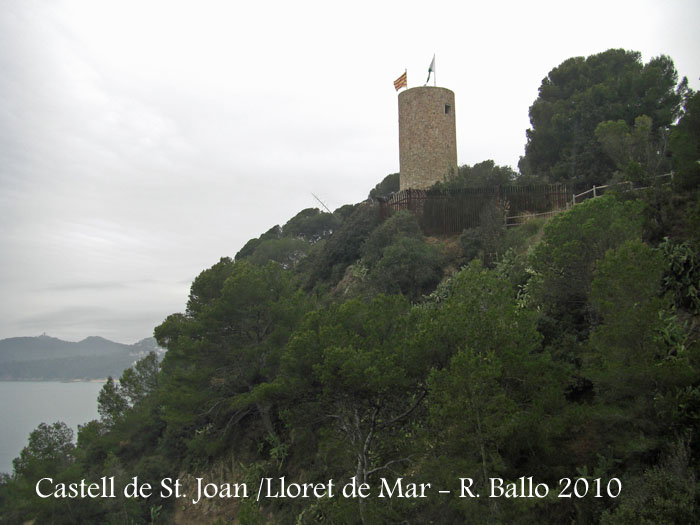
[[452, 211]]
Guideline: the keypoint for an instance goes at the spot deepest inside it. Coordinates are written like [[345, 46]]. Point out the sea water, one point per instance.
[[26, 404]]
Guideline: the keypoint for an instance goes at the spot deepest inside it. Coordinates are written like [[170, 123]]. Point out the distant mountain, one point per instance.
[[49, 359]]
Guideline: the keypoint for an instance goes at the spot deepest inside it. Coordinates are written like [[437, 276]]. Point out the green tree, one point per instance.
[[627, 345], [207, 286], [400, 224], [141, 380], [475, 414], [481, 174], [218, 354], [350, 372], [664, 495], [50, 449], [581, 93], [483, 241], [635, 151], [682, 274], [398, 259], [685, 144], [490, 393], [135, 385], [287, 252], [50, 453], [288, 244], [564, 261], [390, 184], [273, 233], [311, 225], [408, 266], [344, 247], [111, 404], [638, 366]]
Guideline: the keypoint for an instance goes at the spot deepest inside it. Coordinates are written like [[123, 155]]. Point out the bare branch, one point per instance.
[[407, 412], [386, 466]]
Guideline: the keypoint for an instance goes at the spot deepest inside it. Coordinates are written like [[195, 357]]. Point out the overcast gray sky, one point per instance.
[[140, 141]]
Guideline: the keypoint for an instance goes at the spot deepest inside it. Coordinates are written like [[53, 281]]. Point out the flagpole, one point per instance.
[[434, 74]]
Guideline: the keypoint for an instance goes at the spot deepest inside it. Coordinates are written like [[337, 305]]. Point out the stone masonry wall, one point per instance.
[[427, 136]]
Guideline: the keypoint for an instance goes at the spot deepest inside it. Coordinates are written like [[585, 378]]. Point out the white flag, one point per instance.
[[431, 69]]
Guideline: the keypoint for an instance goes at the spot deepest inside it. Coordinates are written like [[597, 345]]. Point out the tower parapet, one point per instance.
[[427, 136]]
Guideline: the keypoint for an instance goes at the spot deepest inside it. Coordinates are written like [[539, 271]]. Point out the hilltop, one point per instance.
[[348, 346], [46, 358]]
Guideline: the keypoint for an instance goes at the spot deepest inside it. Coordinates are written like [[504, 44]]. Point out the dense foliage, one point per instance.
[[580, 94], [338, 347], [480, 175]]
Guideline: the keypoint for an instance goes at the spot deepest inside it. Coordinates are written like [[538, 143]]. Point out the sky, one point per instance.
[[141, 141]]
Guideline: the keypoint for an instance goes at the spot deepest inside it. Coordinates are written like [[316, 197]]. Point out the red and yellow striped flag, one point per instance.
[[401, 82]]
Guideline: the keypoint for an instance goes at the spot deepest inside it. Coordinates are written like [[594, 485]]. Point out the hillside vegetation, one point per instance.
[[339, 347]]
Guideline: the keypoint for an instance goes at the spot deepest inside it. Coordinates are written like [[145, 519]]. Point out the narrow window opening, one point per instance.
[[447, 109]]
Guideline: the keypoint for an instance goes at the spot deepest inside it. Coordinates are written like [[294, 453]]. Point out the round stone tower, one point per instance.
[[427, 136]]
